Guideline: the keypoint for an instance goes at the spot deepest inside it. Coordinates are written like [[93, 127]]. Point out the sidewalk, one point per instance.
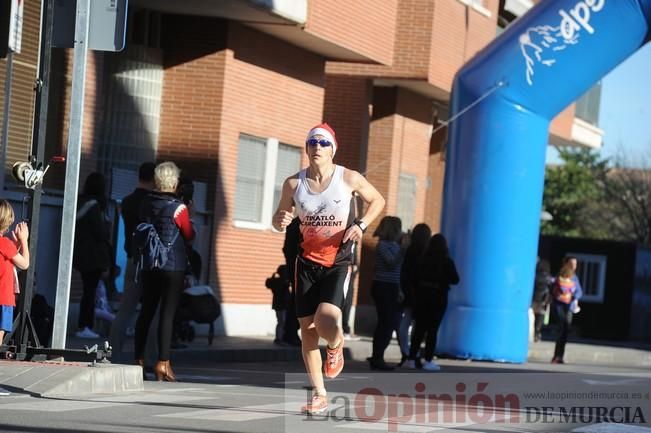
[[48, 379], [262, 349]]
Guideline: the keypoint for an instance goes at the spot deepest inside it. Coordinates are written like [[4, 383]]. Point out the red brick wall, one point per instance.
[[561, 125], [346, 108], [459, 32], [433, 40], [364, 26], [413, 134], [192, 98], [93, 112], [412, 41], [399, 142]]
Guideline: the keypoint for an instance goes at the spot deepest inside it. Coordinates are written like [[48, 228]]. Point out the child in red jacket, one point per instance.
[[13, 252]]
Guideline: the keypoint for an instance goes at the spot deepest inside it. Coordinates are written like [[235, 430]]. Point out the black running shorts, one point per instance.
[[316, 284]]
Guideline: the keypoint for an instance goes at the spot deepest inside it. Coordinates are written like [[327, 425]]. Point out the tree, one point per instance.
[[624, 212], [572, 187]]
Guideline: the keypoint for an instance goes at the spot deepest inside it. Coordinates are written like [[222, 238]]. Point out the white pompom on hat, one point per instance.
[[326, 131]]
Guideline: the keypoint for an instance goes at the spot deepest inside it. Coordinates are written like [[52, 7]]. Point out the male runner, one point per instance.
[[322, 195]]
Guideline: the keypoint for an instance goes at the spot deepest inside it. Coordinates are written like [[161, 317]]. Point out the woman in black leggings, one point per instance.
[[171, 218]]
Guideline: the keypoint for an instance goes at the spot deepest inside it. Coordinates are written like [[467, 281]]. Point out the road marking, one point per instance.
[[245, 413], [612, 428], [612, 382], [383, 426], [191, 377], [68, 404]]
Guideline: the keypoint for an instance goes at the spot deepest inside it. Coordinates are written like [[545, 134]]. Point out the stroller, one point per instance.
[[198, 304]]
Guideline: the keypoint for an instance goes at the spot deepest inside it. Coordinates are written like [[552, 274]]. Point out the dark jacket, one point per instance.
[[130, 210], [435, 275], [158, 209], [542, 286], [279, 286], [92, 247], [409, 275]]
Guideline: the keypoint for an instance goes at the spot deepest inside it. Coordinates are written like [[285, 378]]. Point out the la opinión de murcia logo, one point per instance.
[[539, 44]]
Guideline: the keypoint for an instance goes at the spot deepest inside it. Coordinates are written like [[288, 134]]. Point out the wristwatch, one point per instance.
[[361, 224]]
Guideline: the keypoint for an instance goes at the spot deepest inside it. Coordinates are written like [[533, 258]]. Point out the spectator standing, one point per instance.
[[567, 290], [385, 289], [541, 296], [290, 251], [92, 252], [278, 283], [130, 211], [14, 253], [420, 236], [170, 217], [436, 273]]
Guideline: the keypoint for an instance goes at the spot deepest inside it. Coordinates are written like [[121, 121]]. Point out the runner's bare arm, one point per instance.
[[370, 195], [285, 211]]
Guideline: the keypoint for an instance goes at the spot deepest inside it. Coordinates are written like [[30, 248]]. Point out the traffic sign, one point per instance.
[[108, 24]]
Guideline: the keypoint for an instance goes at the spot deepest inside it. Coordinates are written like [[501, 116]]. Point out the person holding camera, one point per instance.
[[278, 283]]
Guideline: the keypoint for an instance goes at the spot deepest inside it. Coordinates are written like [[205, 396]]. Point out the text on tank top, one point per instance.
[[324, 217]]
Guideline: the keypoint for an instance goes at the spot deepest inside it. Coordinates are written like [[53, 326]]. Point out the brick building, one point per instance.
[[228, 89]]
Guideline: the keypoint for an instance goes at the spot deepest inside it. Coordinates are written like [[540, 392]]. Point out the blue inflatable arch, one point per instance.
[[496, 159]]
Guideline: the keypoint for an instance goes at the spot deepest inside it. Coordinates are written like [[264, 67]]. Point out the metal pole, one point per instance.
[[72, 175], [42, 89], [5, 116]]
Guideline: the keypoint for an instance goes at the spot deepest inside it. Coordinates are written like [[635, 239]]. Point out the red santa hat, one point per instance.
[[326, 131]]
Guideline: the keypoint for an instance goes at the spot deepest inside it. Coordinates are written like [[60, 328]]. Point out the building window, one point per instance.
[[289, 162], [249, 189], [131, 119], [591, 271], [587, 106], [405, 208], [262, 166]]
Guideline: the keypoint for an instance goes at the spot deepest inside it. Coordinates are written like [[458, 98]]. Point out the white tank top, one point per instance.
[[325, 216]]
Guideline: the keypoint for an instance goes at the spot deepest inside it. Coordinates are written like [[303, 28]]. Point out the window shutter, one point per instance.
[[249, 186], [289, 162], [406, 200]]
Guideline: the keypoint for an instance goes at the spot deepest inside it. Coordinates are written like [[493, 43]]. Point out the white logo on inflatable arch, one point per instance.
[[539, 44]]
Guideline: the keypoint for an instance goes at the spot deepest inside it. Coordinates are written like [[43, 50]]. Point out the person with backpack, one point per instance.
[[130, 211], [160, 242]]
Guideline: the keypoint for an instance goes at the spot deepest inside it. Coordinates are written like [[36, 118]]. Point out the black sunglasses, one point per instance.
[[322, 142]]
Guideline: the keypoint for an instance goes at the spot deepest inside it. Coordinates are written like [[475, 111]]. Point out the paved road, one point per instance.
[[266, 397]]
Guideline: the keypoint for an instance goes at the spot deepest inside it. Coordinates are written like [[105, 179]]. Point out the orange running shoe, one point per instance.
[[318, 404], [334, 361]]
